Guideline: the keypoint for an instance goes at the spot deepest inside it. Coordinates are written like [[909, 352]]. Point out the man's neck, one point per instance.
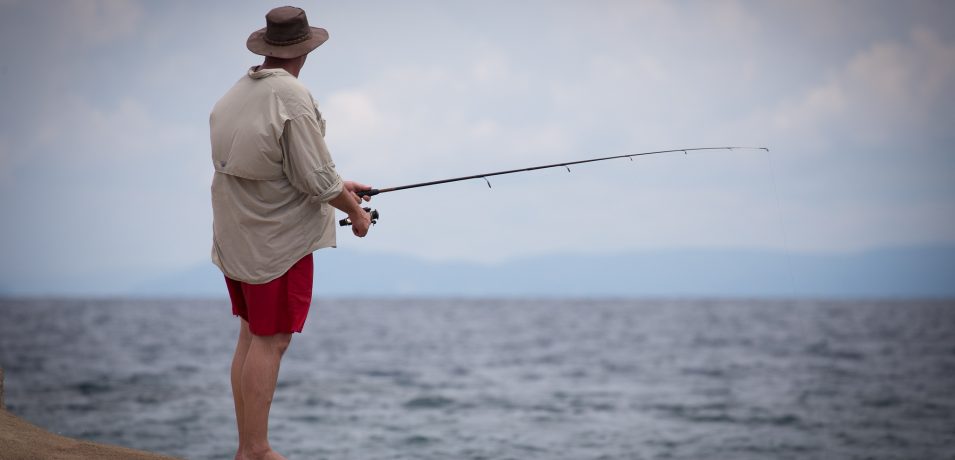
[[292, 66]]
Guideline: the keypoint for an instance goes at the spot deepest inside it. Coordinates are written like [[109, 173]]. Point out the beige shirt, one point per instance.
[[273, 177]]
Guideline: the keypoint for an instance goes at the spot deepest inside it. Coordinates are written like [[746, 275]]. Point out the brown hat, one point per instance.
[[287, 34]]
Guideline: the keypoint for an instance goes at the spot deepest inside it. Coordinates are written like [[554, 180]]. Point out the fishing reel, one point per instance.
[[374, 218]]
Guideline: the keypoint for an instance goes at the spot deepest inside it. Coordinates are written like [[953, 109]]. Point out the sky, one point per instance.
[[104, 152]]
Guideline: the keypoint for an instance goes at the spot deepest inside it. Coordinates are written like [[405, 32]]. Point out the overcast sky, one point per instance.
[[104, 151]]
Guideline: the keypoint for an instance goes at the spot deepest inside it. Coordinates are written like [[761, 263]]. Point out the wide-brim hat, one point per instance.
[[286, 34]]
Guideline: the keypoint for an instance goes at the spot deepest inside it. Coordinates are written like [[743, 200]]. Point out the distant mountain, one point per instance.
[[884, 273]]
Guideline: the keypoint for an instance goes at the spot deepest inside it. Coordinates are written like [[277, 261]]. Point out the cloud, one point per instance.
[[80, 133], [68, 28], [446, 118], [355, 112], [491, 68], [731, 18], [890, 90], [97, 22]]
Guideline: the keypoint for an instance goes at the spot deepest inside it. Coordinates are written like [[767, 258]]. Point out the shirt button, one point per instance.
[[222, 164]]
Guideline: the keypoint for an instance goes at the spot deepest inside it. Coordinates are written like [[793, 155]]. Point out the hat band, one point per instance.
[[288, 42]]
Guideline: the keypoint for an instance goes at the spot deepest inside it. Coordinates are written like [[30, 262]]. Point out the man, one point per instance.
[[273, 187]]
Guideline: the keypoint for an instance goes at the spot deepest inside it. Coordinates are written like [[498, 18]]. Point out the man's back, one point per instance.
[[248, 121], [273, 176]]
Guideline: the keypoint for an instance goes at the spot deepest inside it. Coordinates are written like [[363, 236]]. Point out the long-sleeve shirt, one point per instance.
[[273, 177]]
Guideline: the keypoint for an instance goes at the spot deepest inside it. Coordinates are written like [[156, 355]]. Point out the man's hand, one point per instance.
[[360, 222], [354, 187], [350, 203]]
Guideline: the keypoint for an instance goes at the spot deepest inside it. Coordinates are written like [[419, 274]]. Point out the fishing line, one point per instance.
[[787, 253]]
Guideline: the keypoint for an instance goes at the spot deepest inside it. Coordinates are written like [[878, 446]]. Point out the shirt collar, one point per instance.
[[256, 73]]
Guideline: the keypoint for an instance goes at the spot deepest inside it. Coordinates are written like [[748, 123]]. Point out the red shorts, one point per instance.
[[277, 307]]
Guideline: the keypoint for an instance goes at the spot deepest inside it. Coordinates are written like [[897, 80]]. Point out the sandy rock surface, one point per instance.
[[21, 440]]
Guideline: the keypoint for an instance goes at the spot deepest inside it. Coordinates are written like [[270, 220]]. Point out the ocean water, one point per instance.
[[502, 379]]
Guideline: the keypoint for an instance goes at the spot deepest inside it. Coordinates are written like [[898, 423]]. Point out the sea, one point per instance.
[[475, 379]]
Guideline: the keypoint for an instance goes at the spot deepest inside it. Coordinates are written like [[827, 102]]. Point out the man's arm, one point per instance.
[[309, 167]]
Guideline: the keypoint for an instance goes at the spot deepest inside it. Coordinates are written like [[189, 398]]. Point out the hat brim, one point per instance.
[[257, 44]]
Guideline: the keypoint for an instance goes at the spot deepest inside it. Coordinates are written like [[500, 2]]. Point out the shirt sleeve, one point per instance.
[[308, 165]]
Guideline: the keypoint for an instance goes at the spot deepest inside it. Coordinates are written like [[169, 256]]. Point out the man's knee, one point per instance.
[[278, 343], [282, 342]]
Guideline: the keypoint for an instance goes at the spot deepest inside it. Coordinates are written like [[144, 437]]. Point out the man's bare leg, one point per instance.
[[257, 382], [238, 360]]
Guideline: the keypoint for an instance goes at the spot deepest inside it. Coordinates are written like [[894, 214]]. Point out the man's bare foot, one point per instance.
[[268, 455]]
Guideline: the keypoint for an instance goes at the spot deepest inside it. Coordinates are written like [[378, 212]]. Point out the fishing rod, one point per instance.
[[375, 191]]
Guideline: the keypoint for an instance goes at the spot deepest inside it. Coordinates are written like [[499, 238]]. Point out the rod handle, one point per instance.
[[369, 192]]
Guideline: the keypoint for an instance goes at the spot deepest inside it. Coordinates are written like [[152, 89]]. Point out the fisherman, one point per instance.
[[272, 193]]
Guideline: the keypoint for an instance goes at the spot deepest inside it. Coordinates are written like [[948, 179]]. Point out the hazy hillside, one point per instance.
[[906, 272]]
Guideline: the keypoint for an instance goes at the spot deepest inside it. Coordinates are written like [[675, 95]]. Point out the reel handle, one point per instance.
[[374, 217]]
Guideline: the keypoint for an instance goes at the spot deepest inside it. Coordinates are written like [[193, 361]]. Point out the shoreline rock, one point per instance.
[[22, 440]]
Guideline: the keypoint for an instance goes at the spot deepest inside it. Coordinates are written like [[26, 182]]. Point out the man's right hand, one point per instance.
[[360, 222], [350, 203]]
